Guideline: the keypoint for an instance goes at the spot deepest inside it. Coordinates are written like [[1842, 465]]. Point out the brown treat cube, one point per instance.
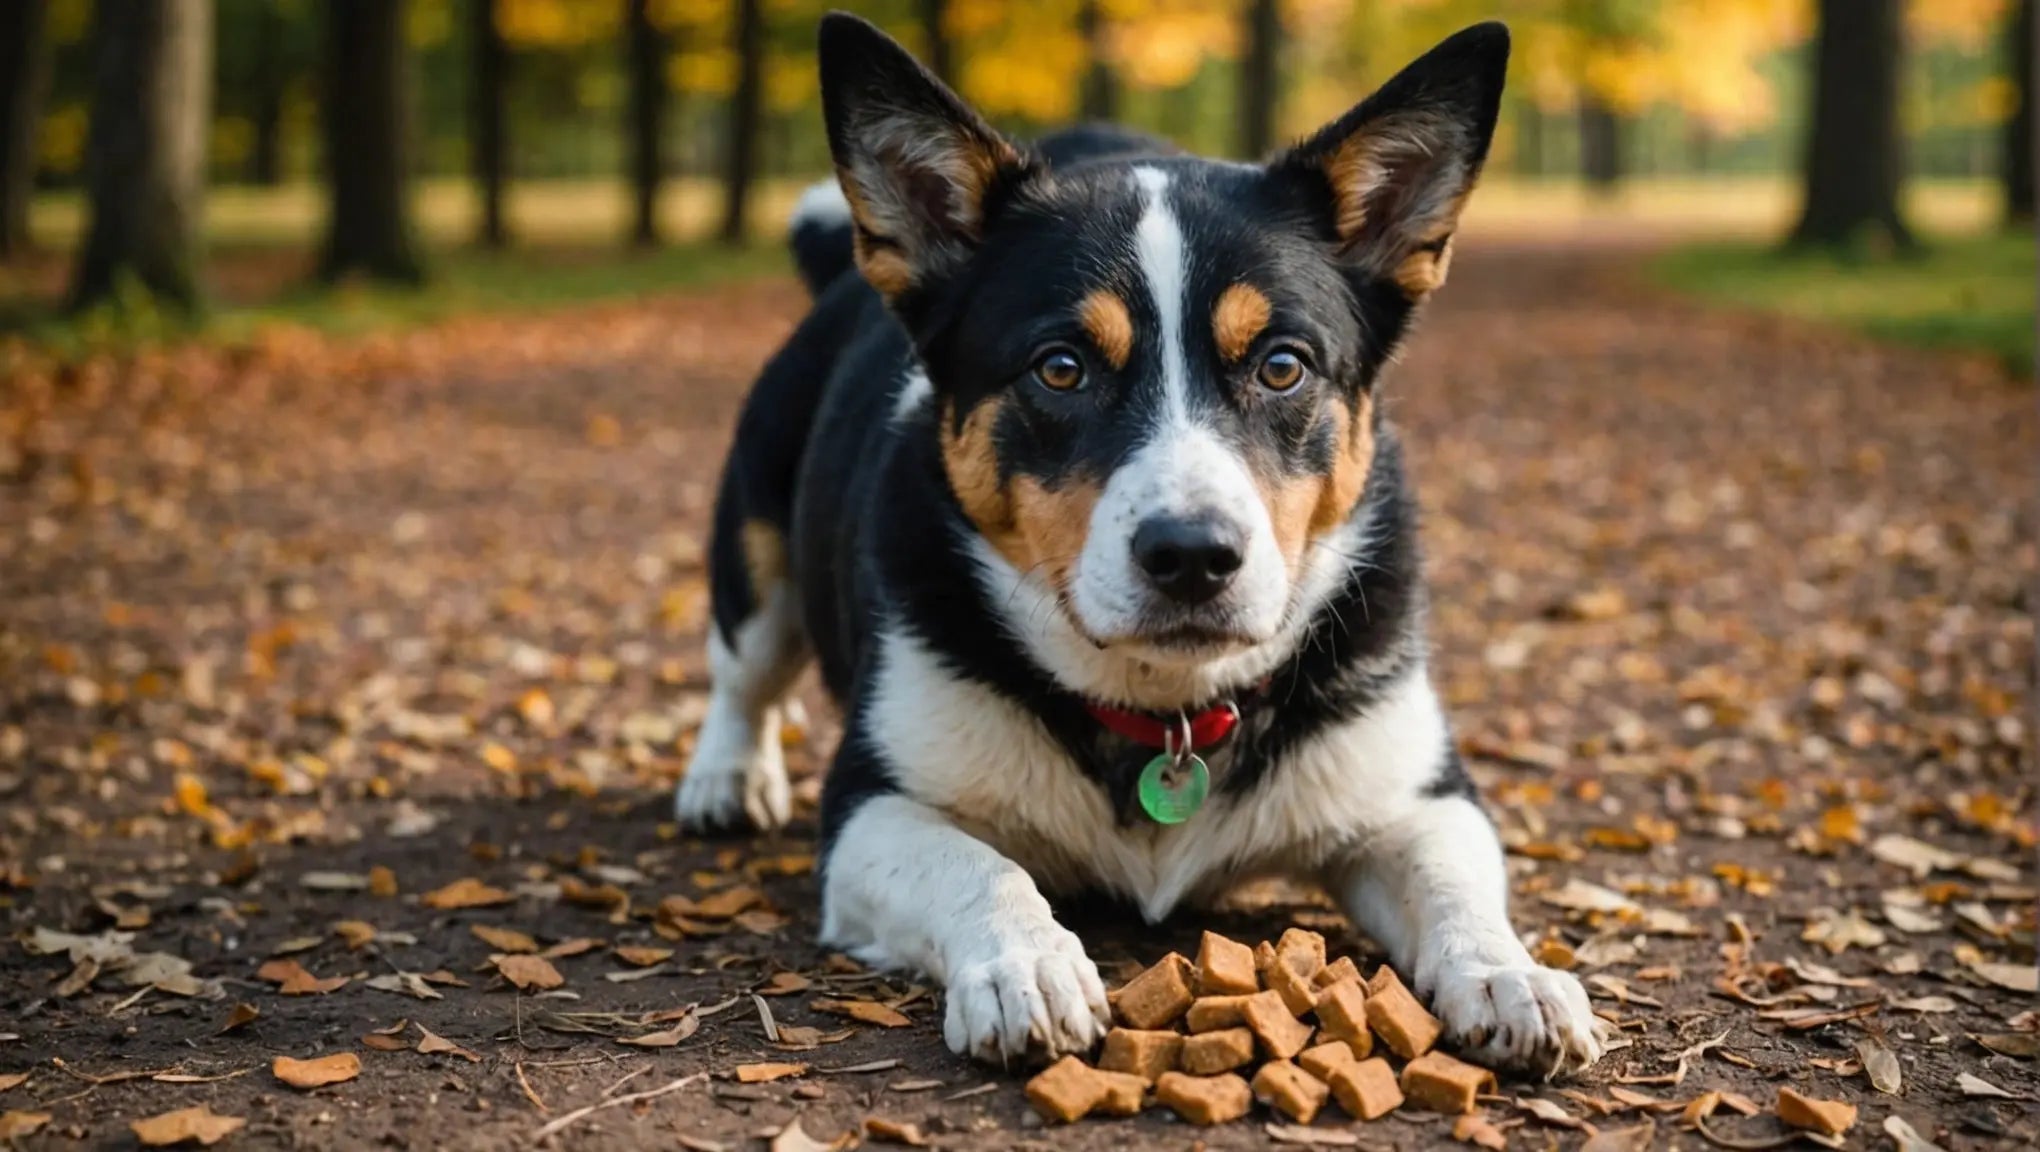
[[1157, 996], [1294, 987], [1211, 1052], [1208, 1013], [1402, 1023], [1290, 1090], [1440, 1083], [1225, 967], [1264, 957], [1143, 1054], [1321, 1060], [1342, 1015], [1066, 1091], [1383, 977], [1367, 1090], [1123, 1093], [1341, 969], [1282, 1034], [1205, 1099], [1828, 1117], [1301, 951]]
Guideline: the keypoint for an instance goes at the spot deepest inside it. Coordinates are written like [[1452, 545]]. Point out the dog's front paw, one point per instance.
[[734, 788], [1521, 1017], [1044, 995]]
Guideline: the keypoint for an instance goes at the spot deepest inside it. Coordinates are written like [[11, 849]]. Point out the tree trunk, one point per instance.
[[2018, 137], [740, 161], [1854, 155], [24, 77], [941, 57], [1530, 139], [645, 52], [1258, 78], [365, 109], [265, 157], [486, 156], [1600, 146], [145, 157], [1100, 96]]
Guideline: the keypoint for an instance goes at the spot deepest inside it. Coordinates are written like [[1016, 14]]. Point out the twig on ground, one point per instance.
[[578, 1114], [531, 1093]]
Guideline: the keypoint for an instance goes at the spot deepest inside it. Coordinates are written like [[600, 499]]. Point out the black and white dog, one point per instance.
[[1082, 497]]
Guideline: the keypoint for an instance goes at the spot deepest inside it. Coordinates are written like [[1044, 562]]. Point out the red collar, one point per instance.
[[1207, 728]]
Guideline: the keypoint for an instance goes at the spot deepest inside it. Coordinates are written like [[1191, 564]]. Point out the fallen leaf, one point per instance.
[[1633, 1139], [1477, 1130], [335, 1069], [355, 933], [503, 939], [466, 892], [785, 983], [431, 1043], [1924, 1003], [1916, 856], [1827, 1117], [2017, 977], [1972, 1085], [1549, 1111], [1577, 895], [1311, 1137], [12, 1080], [632, 975], [529, 972], [640, 957], [879, 1130], [667, 1038], [867, 1011], [1880, 1064], [383, 1043], [333, 882], [2021, 1045], [1907, 1137], [793, 1138], [241, 1016], [766, 1073], [573, 947], [19, 1125], [292, 979], [186, 1126], [1837, 932], [405, 983]]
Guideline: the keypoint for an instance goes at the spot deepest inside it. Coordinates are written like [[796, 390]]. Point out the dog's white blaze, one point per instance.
[[1164, 263], [962, 748], [912, 395], [738, 767]]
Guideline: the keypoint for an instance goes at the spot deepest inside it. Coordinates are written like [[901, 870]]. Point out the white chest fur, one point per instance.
[[957, 746]]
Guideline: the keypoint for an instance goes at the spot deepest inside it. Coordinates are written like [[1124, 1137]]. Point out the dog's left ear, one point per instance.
[[916, 164], [1399, 167]]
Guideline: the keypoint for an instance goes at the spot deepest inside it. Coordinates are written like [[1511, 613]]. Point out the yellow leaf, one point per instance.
[[335, 1069]]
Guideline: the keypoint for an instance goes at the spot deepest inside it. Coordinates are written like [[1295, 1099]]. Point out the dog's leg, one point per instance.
[[738, 771], [1428, 884], [905, 887]]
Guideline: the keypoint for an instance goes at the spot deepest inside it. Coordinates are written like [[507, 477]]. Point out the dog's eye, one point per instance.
[[1059, 370], [1281, 370]]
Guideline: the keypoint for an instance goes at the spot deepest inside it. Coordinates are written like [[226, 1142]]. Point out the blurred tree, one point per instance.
[[939, 53], [1600, 144], [267, 85], [1854, 152], [364, 109], [740, 156], [644, 53], [2017, 163], [145, 158], [24, 77], [1100, 99], [487, 152], [1260, 80]]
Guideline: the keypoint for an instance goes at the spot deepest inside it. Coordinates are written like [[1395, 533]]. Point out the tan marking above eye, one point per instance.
[[1238, 319], [1109, 325]]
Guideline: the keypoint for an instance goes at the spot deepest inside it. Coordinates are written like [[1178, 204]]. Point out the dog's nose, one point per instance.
[[1188, 560]]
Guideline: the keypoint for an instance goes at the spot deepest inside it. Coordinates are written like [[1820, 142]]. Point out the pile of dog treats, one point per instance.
[[1304, 1030]]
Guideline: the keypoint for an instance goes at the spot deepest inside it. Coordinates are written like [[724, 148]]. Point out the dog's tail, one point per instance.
[[820, 235]]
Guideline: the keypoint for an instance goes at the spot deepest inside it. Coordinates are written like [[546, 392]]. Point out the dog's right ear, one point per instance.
[[916, 164]]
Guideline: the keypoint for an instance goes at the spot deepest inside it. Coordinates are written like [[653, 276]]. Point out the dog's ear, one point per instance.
[[1399, 167], [916, 164]]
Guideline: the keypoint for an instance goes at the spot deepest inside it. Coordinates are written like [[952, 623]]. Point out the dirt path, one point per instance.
[[1720, 603]]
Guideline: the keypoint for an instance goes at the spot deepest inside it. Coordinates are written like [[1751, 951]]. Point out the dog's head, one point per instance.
[[1153, 378]]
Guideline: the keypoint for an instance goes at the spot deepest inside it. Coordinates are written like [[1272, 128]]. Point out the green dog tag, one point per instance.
[[1171, 791]]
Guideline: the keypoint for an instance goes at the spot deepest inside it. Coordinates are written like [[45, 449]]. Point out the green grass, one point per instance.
[[265, 287], [1971, 293]]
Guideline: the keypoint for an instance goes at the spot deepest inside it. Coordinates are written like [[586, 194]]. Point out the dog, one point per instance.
[[1080, 493]]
